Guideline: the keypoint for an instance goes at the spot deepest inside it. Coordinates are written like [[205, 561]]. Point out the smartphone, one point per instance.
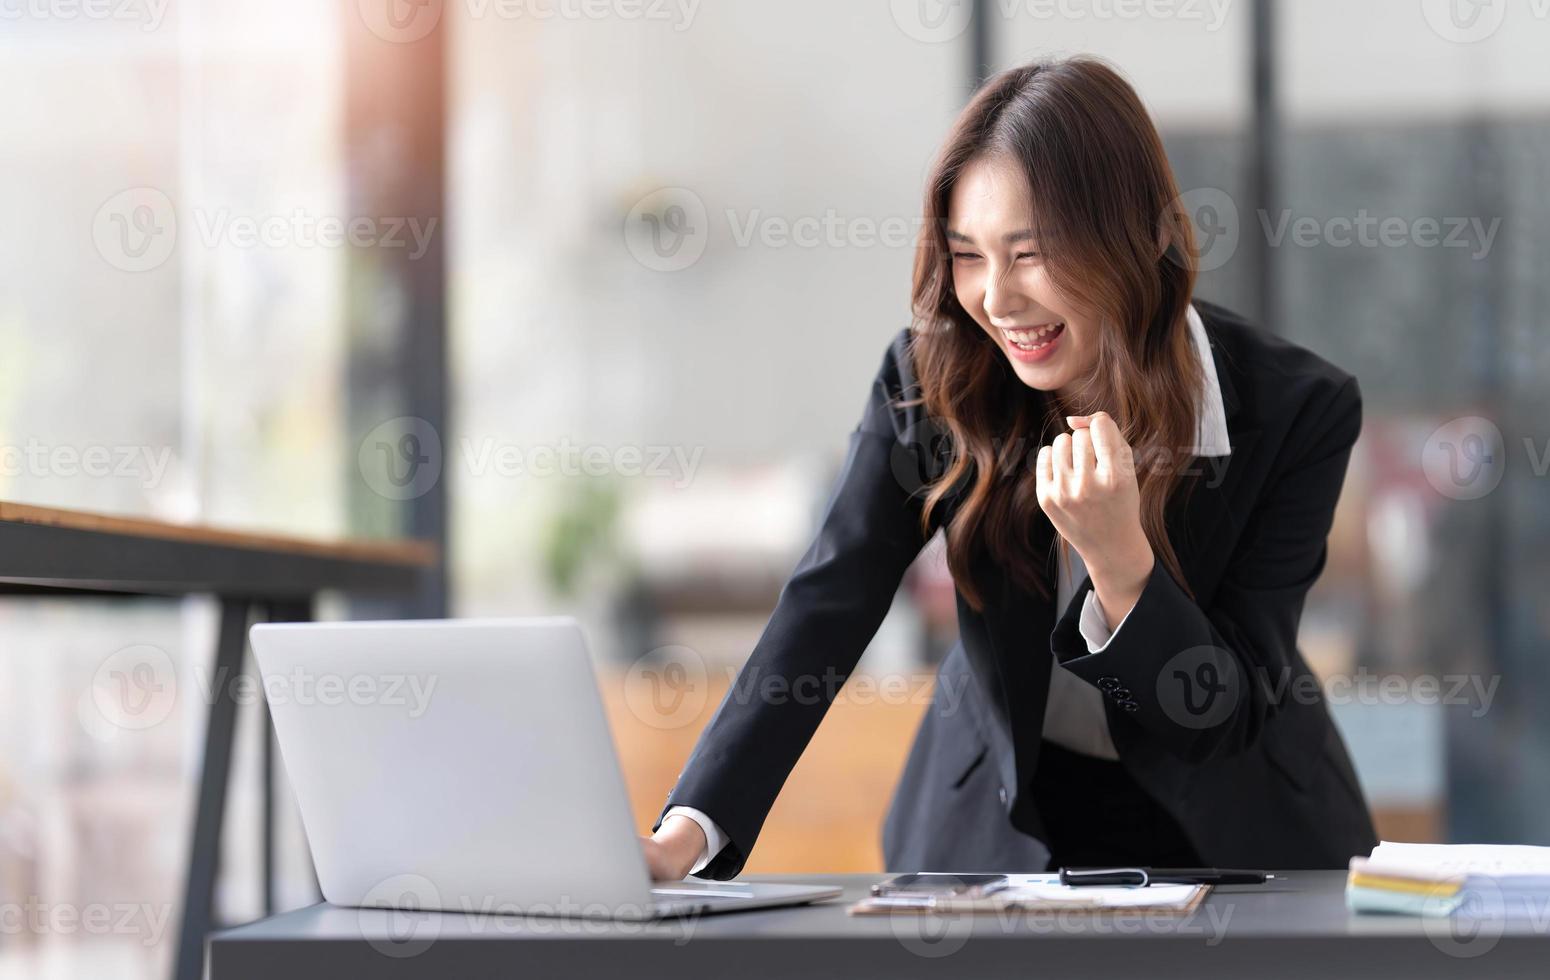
[[929, 883]]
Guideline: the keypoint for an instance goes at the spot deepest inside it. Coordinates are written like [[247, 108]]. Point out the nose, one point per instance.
[[1002, 300]]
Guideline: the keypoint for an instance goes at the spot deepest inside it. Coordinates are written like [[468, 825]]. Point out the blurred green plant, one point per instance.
[[583, 532]]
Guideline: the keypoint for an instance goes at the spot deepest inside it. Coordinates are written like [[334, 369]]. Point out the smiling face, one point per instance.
[[1001, 279]]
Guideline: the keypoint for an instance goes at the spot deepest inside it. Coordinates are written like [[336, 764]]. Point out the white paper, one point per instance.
[[1047, 887], [1492, 860]]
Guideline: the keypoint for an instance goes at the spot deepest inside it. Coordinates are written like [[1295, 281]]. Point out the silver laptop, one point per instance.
[[467, 766]]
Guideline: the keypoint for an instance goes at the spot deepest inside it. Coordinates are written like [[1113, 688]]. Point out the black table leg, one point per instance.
[[266, 800], [205, 852]]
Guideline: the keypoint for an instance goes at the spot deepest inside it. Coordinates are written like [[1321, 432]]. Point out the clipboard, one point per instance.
[[1042, 893]]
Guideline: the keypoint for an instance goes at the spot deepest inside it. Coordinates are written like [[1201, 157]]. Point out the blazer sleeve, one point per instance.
[[826, 614], [1205, 682]]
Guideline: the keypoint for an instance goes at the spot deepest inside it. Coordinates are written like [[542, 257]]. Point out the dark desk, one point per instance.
[[1296, 928], [45, 551]]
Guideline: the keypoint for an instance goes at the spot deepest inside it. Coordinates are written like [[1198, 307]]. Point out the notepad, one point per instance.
[[1043, 893]]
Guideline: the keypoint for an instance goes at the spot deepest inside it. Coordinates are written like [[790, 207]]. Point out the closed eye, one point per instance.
[[971, 256]]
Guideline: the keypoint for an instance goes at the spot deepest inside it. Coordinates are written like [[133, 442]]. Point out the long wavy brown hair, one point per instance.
[[1105, 200]]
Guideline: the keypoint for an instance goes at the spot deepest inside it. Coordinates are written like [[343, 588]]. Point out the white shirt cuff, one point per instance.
[[1094, 628], [715, 840]]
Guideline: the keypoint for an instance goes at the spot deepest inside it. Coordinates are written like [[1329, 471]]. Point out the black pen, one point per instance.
[[1162, 876]]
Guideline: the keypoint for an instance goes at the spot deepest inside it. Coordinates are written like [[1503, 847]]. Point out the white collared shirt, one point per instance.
[[1074, 714]]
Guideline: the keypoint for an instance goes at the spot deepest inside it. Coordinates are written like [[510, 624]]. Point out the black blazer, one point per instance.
[[1209, 702]]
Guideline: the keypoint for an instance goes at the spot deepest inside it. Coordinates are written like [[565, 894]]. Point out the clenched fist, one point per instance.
[[1086, 483]]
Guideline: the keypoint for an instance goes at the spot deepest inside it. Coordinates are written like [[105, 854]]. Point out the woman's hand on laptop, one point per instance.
[[674, 848]]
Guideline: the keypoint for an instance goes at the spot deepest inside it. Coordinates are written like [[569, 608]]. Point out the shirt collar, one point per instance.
[[1211, 425]]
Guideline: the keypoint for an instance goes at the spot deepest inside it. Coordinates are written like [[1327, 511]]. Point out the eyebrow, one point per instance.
[[1016, 236]]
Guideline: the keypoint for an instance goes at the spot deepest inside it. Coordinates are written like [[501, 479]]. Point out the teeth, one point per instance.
[[1032, 339]]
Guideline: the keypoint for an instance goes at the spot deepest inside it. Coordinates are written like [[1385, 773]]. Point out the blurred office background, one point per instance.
[[630, 268]]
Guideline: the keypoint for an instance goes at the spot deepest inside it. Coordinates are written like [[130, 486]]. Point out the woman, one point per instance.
[[1135, 492]]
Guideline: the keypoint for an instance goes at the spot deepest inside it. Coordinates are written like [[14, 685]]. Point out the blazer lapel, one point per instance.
[[1193, 525]]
